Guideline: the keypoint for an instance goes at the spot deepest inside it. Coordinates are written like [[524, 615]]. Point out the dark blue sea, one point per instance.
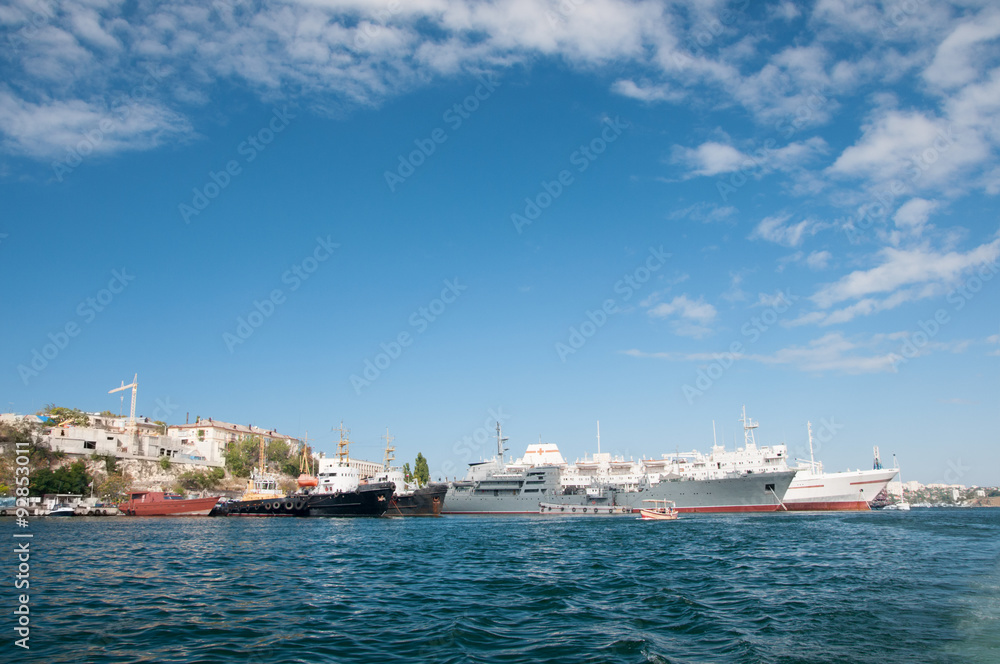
[[922, 586]]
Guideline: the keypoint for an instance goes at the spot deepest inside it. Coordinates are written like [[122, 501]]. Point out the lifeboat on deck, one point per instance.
[[307, 480]]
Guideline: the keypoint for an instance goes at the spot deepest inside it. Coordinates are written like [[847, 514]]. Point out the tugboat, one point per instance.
[[262, 496], [409, 500], [336, 492], [340, 492]]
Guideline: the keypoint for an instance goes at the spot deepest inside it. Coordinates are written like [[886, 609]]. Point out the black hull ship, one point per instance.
[[366, 500], [337, 491], [426, 501]]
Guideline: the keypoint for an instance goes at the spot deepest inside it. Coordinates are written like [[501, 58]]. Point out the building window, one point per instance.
[[90, 444]]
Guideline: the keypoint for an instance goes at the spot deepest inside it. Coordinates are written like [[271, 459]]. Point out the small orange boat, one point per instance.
[[158, 503], [660, 511]]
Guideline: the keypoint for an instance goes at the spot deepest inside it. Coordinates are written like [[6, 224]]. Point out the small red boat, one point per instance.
[[158, 503]]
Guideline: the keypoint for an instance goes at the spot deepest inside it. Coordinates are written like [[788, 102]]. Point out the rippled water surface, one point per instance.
[[921, 587]]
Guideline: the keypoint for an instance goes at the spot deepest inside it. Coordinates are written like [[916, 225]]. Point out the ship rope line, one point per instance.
[[778, 499]]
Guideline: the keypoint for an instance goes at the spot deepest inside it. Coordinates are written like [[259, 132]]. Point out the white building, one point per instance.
[[367, 469], [895, 488], [120, 443], [208, 438], [14, 419]]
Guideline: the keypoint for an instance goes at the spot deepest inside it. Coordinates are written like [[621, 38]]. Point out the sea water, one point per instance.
[[922, 586]]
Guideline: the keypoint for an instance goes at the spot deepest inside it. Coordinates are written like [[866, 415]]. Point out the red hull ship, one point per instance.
[[158, 503]]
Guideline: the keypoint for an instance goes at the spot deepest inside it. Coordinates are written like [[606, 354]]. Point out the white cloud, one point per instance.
[[953, 64], [683, 306], [886, 148], [784, 10], [994, 339], [832, 352], [818, 260], [905, 267], [705, 212], [690, 318], [341, 54], [913, 214], [710, 158], [772, 300], [714, 158], [648, 92], [777, 229], [51, 129]]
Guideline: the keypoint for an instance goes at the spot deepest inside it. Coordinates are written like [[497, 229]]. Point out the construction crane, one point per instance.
[[134, 386]]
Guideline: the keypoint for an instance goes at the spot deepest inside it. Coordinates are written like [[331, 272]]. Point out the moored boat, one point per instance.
[[62, 509], [159, 503], [408, 498], [337, 491], [900, 505], [846, 491], [493, 487], [811, 489]]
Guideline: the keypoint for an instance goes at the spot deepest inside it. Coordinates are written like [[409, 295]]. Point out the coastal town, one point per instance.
[[87, 463]]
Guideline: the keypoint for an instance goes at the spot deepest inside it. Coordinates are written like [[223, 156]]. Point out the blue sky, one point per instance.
[[643, 213]]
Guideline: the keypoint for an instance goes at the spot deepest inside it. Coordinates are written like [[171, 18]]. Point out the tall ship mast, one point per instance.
[[390, 451], [408, 499], [343, 445]]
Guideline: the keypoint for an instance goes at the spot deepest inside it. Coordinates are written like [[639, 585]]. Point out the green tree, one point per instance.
[[290, 466], [73, 416], [243, 456], [22, 439], [198, 480], [64, 479], [165, 462], [407, 475], [420, 470], [114, 488], [276, 452]]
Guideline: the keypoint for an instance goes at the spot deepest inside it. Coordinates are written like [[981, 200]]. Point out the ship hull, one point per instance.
[[367, 500], [182, 507], [466, 502], [849, 491], [758, 492], [291, 505], [427, 501]]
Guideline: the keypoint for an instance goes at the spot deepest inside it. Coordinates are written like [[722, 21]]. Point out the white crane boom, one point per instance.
[[134, 386]]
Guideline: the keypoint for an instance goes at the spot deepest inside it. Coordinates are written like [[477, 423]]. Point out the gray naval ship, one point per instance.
[[492, 487]]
